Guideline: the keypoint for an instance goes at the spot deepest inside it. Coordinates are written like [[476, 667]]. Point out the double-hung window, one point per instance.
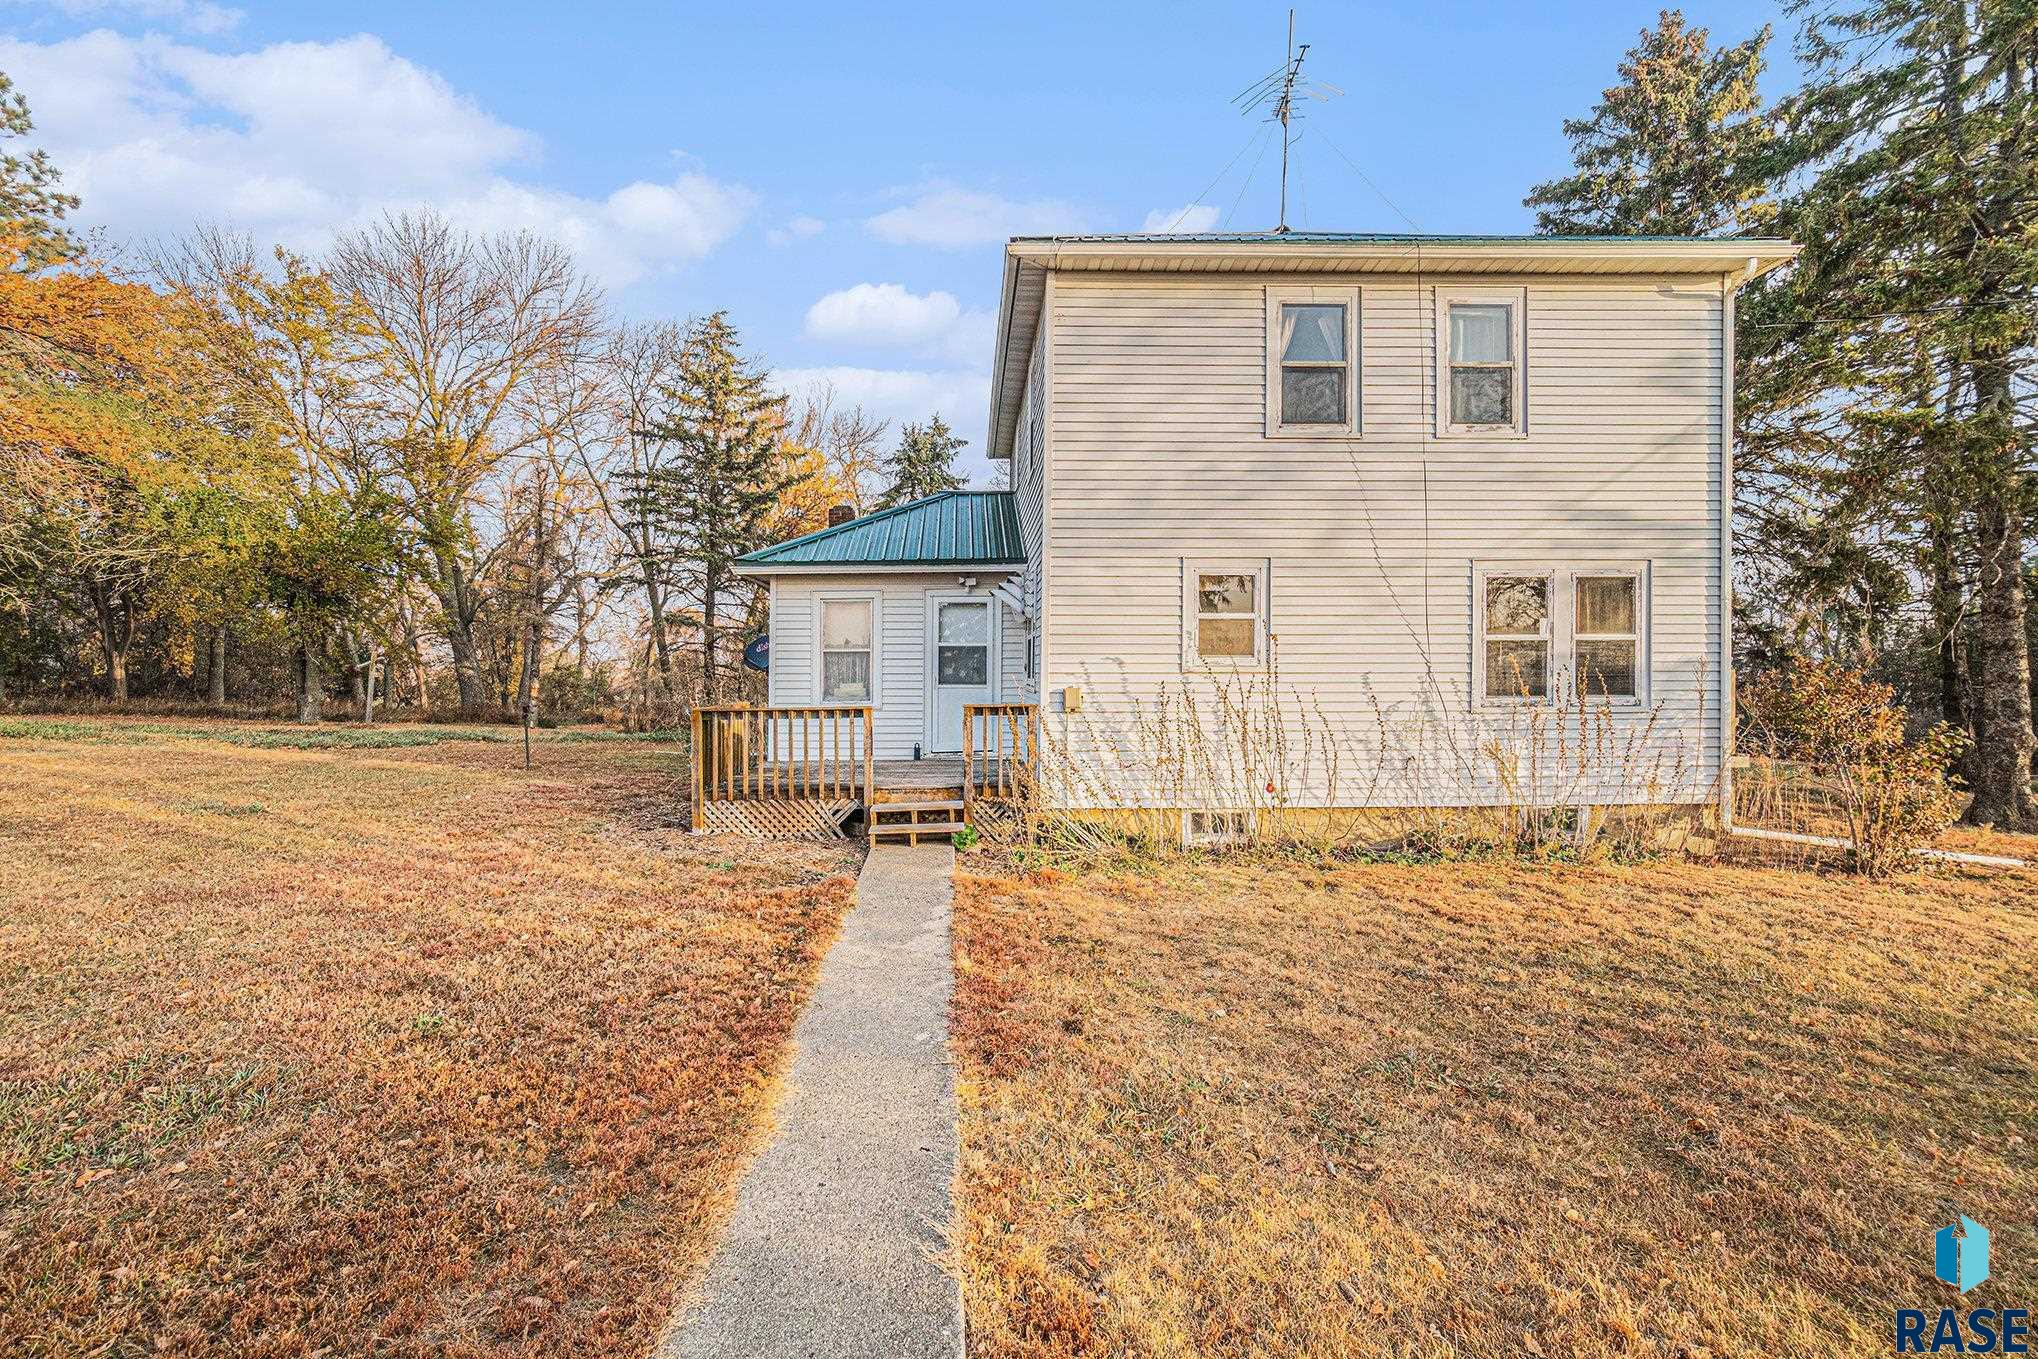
[[1606, 635], [1312, 362], [1225, 614], [1560, 634], [1517, 626], [1481, 388], [848, 649]]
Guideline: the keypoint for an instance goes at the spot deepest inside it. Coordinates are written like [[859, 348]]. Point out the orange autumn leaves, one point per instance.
[[96, 366]]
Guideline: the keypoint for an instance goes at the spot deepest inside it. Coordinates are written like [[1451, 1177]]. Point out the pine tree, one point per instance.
[[923, 464], [1895, 357], [31, 203], [709, 498], [1668, 150]]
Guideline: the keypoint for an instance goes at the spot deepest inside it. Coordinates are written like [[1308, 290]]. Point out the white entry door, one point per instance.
[[961, 665]]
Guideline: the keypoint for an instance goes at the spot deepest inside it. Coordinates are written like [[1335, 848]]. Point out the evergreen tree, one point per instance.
[[923, 464], [1892, 367], [1668, 151], [708, 498], [31, 204]]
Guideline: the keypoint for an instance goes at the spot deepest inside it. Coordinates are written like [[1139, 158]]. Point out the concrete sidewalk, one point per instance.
[[831, 1248]]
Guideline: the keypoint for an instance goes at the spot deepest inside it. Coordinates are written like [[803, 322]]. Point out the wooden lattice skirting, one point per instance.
[[800, 818]]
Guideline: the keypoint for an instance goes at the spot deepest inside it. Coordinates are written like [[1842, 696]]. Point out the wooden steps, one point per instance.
[[945, 813]]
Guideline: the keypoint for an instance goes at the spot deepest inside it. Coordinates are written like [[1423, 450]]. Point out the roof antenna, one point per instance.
[[1276, 92]]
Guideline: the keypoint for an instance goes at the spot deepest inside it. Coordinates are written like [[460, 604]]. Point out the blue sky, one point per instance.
[[838, 179]]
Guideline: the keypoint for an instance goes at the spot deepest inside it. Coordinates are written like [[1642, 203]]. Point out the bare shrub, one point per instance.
[[1569, 779], [1845, 736]]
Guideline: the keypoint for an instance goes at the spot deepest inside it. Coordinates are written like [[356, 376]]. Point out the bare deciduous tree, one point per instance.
[[464, 326]]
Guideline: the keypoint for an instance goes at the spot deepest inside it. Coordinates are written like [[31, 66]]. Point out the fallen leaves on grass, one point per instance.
[[1487, 1109], [431, 1057]]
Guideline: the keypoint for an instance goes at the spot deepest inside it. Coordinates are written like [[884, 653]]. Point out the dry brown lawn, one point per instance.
[[1494, 1110], [390, 1052]]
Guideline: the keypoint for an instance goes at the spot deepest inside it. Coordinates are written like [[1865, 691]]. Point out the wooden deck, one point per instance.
[[893, 780], [807, 771]]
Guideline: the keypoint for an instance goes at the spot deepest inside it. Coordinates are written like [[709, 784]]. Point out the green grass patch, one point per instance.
[[331, 738], [52, 729], [334, 736], [260, 738]]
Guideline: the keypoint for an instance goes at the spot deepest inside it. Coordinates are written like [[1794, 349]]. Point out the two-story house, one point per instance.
[[1387, 503]]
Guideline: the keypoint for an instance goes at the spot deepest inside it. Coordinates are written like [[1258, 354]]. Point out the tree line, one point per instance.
[[242, 466], [1885, 381], [426, 459]]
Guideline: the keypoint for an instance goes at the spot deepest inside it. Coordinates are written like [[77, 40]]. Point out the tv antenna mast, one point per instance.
[[1275, 92]]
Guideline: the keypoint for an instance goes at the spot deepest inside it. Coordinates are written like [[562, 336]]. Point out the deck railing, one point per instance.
[[741, 753], [1000, 750]]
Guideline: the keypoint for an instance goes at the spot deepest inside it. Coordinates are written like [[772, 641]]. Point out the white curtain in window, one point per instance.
[[1481, 334], [1312, 333]]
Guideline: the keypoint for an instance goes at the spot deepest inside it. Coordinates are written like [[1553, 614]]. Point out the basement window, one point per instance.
[[1217, 828]]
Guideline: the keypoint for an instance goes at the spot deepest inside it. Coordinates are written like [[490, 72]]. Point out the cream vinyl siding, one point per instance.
[[1157, 453], [901, 645], [1029, 496]]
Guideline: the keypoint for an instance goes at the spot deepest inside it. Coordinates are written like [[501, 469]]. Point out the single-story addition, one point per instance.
[[1297, 520], [916, 611]]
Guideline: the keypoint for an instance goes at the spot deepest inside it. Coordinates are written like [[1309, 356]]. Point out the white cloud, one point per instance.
[[950, 218], [798, 229], [195, 16], [882, 313], [1194, 217], [297, 140], [960, 397], [888, 314]]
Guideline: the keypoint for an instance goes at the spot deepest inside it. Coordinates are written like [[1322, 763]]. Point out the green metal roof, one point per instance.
[[955, 528]]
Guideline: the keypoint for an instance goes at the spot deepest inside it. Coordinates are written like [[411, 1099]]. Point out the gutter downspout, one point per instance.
[[1730, 287]]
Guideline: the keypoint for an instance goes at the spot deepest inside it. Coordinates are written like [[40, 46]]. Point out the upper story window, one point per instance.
[[1225, 608], [1482, 387], [848, 650], [1312, 362]]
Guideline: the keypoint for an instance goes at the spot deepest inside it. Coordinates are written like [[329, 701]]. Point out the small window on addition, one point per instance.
[[1606, 636], [1516, 623], [1216, 828], [846, 629]]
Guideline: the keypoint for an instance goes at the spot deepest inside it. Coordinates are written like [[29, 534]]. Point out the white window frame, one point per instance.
[[1348, 297], [1261, 569], [875, 599], [1560, 624], [1640, 578], [1549, 578], [1516, 299]]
